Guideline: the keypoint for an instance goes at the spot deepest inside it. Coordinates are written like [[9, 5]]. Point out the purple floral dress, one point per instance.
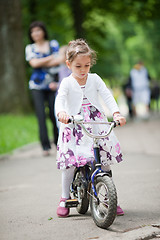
[[75, 148]]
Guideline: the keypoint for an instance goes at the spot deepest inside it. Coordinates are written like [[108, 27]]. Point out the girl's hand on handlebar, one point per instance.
[[63, 117], [120, 118]]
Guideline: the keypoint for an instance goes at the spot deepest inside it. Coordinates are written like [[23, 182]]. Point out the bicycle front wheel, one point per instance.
[[104, 206]]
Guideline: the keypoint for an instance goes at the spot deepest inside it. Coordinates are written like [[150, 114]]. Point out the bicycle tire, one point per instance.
[[104, 209], [80, 185], [83, 206]]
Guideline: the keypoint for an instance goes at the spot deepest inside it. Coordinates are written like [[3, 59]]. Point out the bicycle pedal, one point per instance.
[[71, 203]]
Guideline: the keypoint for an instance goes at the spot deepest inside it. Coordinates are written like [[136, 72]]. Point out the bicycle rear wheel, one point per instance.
[[80, 186], [104, 207]]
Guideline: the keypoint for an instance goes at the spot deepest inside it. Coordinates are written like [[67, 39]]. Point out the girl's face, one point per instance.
[[37, 34], [80, 66]]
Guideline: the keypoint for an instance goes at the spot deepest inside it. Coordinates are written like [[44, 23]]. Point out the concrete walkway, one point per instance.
[[30, 189]]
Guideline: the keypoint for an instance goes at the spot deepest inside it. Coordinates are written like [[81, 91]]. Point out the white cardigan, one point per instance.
[[70, 95]]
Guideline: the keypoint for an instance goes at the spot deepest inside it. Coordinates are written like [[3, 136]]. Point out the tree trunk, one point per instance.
[[78, 15], [13, 94]]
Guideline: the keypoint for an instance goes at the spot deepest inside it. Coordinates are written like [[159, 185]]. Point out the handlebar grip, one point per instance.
[[69, 120], [116, 123]]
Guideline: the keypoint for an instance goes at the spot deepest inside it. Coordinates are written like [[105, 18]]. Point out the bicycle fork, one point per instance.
[[98, 171], [97, 165]]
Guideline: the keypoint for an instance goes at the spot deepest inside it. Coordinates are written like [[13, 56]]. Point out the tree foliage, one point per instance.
[[121, 32]]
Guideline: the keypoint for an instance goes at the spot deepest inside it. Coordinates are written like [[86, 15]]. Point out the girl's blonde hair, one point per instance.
[[77, 47]]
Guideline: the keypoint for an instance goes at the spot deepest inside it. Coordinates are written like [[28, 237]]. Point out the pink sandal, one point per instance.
[[62, 211], [119, 211]]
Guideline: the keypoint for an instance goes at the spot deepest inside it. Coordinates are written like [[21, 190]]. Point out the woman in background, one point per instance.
[[42, 56]]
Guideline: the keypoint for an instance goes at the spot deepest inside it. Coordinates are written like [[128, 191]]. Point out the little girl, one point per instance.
[[79, 94]]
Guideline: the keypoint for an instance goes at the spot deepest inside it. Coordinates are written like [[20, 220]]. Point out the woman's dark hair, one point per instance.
[[40, 25]]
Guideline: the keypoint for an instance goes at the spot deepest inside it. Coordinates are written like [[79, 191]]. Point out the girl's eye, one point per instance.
[[87, 65], [78, 66]]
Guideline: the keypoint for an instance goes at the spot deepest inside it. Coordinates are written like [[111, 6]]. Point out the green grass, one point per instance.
[[17, 131]]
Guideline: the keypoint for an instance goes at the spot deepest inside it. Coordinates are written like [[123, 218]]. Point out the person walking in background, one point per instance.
[[128, 94], [79, 94], [64, 71], [42, 56], [139, 83]]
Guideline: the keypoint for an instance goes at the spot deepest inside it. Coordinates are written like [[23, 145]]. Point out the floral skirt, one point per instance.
[[75, 148]]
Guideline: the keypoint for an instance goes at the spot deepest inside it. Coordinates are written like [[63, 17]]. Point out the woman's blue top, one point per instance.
[[42, 77]]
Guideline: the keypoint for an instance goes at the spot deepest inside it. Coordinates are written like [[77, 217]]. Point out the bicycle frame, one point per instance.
[[78, 119]]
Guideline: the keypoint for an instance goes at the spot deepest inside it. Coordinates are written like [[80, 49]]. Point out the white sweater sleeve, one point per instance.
[[107, 96], [61, 97]]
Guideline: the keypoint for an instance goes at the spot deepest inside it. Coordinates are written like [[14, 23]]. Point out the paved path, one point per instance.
[[30, 189]]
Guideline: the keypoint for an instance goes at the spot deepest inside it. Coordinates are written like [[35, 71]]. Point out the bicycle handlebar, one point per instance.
[[78, 119]]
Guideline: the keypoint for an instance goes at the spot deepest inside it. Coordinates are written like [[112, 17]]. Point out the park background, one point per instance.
[[121, 32]]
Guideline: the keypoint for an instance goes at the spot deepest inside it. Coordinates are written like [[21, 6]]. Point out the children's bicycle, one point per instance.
[[92, 186]]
